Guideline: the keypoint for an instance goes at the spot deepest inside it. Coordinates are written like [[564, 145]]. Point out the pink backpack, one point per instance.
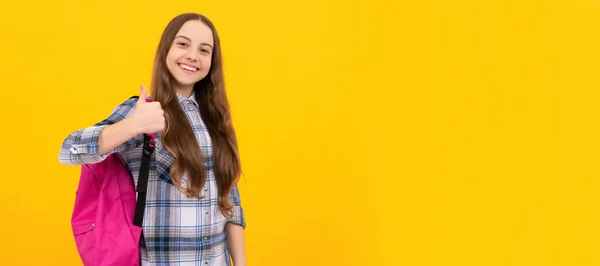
[[107, 219]]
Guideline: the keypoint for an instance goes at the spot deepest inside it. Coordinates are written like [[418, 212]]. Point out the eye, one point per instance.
[[205, 51], [182, 44]]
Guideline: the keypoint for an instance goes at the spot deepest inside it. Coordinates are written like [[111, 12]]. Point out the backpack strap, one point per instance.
[[142, 184]]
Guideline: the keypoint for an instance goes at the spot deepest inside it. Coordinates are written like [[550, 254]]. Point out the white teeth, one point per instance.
[[187, 67]]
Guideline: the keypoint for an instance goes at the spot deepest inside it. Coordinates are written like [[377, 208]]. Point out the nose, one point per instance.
[[192, 56]]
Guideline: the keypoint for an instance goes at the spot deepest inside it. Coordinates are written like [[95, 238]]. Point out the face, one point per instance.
[[190, 55]]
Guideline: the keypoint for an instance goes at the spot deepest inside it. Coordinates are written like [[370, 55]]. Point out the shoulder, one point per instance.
[[121, 111], [126, 106]]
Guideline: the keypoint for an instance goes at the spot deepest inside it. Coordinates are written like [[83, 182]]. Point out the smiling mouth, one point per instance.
[[188, 69]]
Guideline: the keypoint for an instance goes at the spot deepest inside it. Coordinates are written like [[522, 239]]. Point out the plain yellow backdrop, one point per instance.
[[371, 132]]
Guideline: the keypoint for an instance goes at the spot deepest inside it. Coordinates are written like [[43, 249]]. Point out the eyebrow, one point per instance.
[[190, 40]]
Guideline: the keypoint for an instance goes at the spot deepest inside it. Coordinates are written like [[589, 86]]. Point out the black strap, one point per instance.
[[142, 184]]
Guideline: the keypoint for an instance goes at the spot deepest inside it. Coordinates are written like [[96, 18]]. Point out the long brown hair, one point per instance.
[[179, 138]]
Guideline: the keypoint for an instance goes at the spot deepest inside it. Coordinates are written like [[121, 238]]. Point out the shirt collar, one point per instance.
[[192, 98]]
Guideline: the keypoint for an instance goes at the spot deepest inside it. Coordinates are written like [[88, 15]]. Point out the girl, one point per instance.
[[193, 214]]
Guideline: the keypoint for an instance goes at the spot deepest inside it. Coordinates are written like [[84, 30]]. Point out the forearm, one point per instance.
[[114, 135], [236, 243], [94, 143]]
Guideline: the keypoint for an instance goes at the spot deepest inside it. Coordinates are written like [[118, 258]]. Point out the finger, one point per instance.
[[142, 98]]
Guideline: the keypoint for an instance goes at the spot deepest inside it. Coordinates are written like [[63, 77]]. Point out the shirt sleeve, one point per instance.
[[238, 211], [81, 146]]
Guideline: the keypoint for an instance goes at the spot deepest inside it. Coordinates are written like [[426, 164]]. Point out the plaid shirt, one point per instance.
[[177, 230]]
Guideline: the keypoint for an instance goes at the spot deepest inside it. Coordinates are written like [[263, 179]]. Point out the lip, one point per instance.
[[187, 71]]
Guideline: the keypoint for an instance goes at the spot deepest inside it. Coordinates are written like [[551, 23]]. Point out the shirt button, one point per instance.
[[206, 212], [206, 263], [205, 189]]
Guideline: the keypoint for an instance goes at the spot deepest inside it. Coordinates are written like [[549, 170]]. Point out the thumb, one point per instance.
[[142, 98]]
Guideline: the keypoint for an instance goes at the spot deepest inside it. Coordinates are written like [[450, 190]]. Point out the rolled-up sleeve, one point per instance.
[[81, 146], [238, 211]]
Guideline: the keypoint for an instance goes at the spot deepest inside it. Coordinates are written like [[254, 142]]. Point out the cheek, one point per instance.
[[174, 55], [206, 63], [170, 61]]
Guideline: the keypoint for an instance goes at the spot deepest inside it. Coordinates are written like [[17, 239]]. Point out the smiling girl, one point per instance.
[[193, 213]]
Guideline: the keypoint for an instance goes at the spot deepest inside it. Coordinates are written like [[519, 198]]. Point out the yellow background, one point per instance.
[[371, 132]]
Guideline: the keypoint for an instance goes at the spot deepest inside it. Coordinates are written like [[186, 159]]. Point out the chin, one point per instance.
[[186, 82]]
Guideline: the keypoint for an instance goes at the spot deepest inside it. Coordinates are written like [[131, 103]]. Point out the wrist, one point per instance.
[[130, 127]]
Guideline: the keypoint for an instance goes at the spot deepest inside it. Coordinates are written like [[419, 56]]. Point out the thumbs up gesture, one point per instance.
[[148, 117]]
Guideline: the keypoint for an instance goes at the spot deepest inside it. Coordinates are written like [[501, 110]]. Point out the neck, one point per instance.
[[185, 92]]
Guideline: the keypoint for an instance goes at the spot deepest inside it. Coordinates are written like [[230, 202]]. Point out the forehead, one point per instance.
[[197, 31]]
